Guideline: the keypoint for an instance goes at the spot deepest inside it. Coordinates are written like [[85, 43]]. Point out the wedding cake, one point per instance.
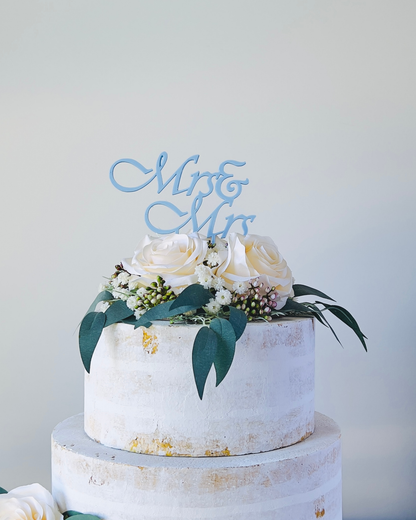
[[199, 384]]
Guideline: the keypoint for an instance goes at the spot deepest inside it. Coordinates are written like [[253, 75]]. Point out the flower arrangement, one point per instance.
[[34, 502], [222, 285]]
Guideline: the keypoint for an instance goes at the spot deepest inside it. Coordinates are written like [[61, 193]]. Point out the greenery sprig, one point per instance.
[[215, 342]]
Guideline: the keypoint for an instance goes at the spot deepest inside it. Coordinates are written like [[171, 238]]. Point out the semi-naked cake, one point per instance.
[[251, 448], [199, 384]]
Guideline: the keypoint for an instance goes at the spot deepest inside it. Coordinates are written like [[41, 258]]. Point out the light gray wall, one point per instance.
[[317, 96]]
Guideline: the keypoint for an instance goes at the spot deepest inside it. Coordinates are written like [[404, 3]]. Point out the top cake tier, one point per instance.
[[141, 396]]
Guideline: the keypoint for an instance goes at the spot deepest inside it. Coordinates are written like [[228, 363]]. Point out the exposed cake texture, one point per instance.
[[140, 394], [300, 482]]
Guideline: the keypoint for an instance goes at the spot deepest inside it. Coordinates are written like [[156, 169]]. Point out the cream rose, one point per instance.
[[256, 257], [173, 257], [31, 502]]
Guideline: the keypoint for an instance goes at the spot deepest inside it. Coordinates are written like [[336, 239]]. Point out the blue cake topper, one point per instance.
[[232, 190]]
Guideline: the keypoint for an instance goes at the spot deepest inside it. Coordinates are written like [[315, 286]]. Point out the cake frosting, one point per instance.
[[140, 396], [299, 482]]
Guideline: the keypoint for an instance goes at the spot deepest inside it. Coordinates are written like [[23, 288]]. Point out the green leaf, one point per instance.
[[159, 312], [130, 320], [116, 312], [141, 323], [194, 295], [226, 347], [304, 290], [238, 320], [2, 491], [292, 305], [162, 312], [102, 296], [70, 513], [89, 333], [322, 319], [203, 355], [349, 320], [317, 313]]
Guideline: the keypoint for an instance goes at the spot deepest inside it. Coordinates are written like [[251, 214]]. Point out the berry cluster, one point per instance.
[[157, 292], [257, 302]]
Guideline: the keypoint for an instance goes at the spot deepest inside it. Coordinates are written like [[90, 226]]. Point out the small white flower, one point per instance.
[[220, 245], [218, 283], [139, 312], [102, 306], [122, 294], [141, 292], [134, 283], [204, 276], [213, 259], [123, 278], [205, 280], [240, 287], [115, 283], [223, 297], [131, 302], [102, 287], [202, 269], [213, 307]]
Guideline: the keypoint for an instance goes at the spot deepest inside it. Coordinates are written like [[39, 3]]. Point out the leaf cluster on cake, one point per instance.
[[190, 279]]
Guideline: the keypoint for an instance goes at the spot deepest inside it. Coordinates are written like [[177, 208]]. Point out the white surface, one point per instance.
[[301, 482], [141, 396], [317, 96]]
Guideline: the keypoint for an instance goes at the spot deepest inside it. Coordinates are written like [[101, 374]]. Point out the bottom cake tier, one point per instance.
[[300, 482]]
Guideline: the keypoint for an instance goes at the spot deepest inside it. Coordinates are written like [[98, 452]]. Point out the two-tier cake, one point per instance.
[[199, 385], [251, 448]]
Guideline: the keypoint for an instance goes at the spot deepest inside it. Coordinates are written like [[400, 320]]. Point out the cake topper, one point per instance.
[[226, 188]]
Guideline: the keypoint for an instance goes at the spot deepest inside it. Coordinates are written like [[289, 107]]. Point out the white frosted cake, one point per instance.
[[251, 448], [199, 385]]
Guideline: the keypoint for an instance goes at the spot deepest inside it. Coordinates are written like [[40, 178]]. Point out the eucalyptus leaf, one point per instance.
[[238, 320], [203, 355], [304, 290], [101, 297], [181, 310], [347, 318], [194, 295], [225, 349], [162, 312], [159, 312], [116, 312], [89, 333], [130, 320], [70, 513], [141, 323], [3, 491]]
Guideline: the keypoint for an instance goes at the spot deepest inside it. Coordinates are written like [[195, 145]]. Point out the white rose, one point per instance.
[[254, 256], [173, 257], [31, 502]]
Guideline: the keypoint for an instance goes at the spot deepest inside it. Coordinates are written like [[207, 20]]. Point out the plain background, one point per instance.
[[318, 97]]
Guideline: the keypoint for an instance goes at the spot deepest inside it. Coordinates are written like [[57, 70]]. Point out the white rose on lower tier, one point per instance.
[[173, 257], [256, 257], [31, 502]]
